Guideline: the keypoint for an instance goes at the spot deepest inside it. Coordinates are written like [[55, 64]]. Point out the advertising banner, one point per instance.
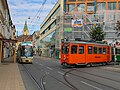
[[77, 23]]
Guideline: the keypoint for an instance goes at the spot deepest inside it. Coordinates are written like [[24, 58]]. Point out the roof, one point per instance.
[[24, 38], [25, 27], [83, 42], [26, 43]]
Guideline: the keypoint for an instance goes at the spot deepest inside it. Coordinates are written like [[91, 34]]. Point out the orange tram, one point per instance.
[[84, 53]]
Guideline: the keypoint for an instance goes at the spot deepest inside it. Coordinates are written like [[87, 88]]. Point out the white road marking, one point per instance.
[[49, 68], [62, 73], [44, 83], [90, 85]]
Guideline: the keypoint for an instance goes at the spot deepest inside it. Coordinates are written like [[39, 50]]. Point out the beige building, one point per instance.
[[36, 41], [7, 31]]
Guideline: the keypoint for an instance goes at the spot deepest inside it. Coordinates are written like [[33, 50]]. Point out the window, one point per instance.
[[53, 24], [65, 49], [101, 6], [81, 7], [117, 51], [100, 50], [95, 50], [111, 6], [71, 0], [90, 7], [81, 49], [104, 50], [89, 49], [119, 6], [71, 7], [74, 49]]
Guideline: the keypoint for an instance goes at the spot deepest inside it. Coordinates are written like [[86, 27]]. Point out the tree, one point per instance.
[[97, 34]]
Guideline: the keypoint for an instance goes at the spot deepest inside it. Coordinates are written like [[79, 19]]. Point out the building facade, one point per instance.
[[74, 19], [36, 42], [7, 30]]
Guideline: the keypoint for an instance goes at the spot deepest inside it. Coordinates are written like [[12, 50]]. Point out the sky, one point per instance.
[[32, 11]]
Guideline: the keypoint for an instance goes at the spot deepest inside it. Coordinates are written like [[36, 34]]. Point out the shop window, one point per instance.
[[80, 7], [95, 50], [111, 6], [74, 49], [71, 7], [101, 6], [81, 50], [89, 49]]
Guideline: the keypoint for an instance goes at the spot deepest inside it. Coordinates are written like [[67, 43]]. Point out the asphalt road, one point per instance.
[[48, 74]]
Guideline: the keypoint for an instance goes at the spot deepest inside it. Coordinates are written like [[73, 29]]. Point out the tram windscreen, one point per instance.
[[65, 49], [27, 51]]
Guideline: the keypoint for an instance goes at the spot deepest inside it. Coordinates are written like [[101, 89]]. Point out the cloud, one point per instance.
[[22, 9]]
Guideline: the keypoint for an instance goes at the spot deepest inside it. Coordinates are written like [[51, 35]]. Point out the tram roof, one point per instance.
[[27, 43], [84, 42]]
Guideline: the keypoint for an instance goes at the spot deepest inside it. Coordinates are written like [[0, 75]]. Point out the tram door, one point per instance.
[[81, 53], [77, 55]]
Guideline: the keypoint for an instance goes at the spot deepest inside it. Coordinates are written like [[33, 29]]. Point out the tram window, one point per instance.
[[100, 50], [64, 49], [117, 51], [112, 50], [95, 50], [104, 50], [81, 49], [90, 50], [74, 49]]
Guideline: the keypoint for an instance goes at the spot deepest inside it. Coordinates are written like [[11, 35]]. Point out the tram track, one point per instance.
[[86, 78], [41, 85], [97, 75], [64, 76]]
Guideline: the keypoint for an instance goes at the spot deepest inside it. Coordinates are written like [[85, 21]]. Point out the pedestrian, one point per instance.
[[40, 52]]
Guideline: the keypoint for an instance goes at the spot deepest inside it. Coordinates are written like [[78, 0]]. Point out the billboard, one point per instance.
[[77, 23]]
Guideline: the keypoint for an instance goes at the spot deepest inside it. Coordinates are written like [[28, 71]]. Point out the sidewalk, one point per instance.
[[10, 78]]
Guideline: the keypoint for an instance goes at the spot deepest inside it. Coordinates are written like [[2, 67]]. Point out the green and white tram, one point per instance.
[[25, 52], [116, 53]]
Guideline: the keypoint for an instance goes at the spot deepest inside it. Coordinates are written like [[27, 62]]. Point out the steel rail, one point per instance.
[[70, 72], [68, 85], [33, 78]]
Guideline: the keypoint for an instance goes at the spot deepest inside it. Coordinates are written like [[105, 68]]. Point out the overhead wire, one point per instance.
[[39, 11]]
